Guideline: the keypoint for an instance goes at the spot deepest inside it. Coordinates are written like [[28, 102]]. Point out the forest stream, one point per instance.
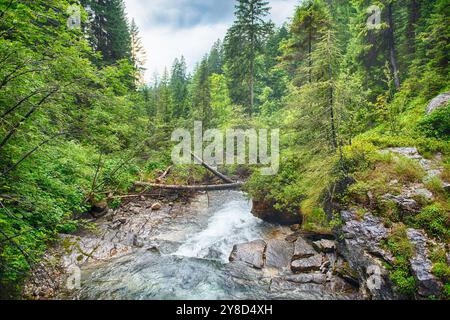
[[184, 254]]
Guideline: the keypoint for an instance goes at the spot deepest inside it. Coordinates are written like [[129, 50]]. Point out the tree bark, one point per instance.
[[332, 115], [212, 170], [391, 44], [215, 187]]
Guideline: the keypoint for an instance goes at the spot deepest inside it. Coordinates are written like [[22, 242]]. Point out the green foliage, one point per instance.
[[437, 125], [402, 250], [435, 220]]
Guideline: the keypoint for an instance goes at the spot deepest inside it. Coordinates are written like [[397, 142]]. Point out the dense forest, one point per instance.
[[79, 125]]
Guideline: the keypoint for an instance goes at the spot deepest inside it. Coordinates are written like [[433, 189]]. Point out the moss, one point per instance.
[[435, 220], [446, 291], [399, 245], [441, 269]]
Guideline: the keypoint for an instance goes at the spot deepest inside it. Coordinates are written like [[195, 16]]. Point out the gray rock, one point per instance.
[[432, 168], [318, 278], [307, 264], [138, 241], [359, 244], [438, 102], [404, 203], [421, 265], [303, 249], [156, 206], [325, 246], [251, 253], [279, 254]]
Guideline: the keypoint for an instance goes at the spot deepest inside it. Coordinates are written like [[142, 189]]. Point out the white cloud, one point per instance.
[[170, 28]]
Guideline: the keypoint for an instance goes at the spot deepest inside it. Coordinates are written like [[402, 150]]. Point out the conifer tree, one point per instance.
[[244, 41], [137, 51]]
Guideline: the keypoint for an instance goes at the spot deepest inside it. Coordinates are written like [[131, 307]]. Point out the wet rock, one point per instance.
[[279, 254], [303, 249], [438, 102], [265, 211], [110, 215], [307, 264], [404, 203], [421, 265], [138, 241], [325, 246], [122, 220], [251, 253], [156, 206], [359, 244], [296, 227], [292, 237], [317, 278]]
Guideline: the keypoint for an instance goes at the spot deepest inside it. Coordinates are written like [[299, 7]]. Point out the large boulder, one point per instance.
[[360, 244], [305, 265], [303, 249], [438, 102], [421, 265], [251, 253], [325, 246], [279, 254]]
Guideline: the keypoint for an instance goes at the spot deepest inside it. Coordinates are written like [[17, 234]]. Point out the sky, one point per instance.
[[171, 28]]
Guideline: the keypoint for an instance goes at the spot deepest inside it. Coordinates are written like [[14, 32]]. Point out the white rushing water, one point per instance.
[[197, 266], [230, 224]]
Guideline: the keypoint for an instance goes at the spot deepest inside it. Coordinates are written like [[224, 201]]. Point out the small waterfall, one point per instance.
[[230, 224]]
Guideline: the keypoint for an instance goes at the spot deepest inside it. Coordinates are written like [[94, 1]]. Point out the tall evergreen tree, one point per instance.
[[179, 88], [216, 58], [201, 93], [110, 29], [245, 40], [137, 52], [310, 19]]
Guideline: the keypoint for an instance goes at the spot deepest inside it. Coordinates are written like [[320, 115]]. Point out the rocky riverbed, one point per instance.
[[210, 247]]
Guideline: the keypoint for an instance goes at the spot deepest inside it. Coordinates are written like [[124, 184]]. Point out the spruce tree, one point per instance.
[[110, 33], [245, 41], [179, 88]]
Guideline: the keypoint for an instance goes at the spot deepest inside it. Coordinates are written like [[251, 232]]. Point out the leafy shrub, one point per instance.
[[435, 220], [359, 156], [437, 124], [402, 250]]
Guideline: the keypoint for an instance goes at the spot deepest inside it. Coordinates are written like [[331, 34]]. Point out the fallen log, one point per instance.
[[213, 187], [214, 171]]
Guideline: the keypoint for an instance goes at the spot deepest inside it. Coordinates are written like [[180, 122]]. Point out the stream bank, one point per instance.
[[205, 248]]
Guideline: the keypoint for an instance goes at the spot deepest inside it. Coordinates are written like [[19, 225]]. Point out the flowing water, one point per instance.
[[192, 260]]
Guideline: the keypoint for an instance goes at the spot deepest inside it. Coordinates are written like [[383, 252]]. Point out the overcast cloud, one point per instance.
[[171, 28]]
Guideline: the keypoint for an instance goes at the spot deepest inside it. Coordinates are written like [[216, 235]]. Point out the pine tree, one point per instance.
[[215, 58], [201, 94], [310, 19], [179, 88], [137, 52], [245, 40], [110, 29]]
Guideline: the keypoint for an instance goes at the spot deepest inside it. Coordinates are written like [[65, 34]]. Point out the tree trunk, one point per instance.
[[215, 187], [332, 115], [391, 44], [212, 170], [414, 12], [310, 50]]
